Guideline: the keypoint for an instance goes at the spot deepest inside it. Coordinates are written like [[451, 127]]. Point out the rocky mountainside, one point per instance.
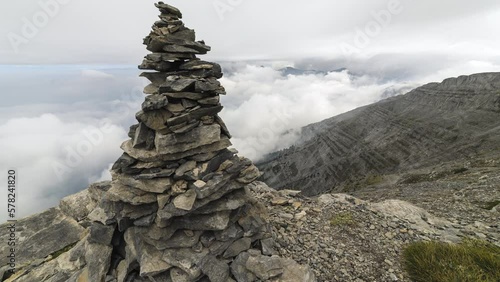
[[435, 123]]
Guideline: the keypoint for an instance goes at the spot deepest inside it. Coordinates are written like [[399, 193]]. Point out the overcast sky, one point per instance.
[[67, 66], [95, 31]]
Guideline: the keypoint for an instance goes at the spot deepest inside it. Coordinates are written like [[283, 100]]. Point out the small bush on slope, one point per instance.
[[470, 261]]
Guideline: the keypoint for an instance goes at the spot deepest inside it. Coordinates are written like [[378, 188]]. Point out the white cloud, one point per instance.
[[464, 68], [264, 109], [95, 74], [36, 146]]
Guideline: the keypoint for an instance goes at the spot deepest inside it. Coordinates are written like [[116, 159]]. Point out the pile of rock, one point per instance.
[[178, 207]]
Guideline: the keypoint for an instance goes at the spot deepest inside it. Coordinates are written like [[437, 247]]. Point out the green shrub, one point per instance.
[[490, 205], [460, 170], [470, 261], [342, 219], [374, 179], [414, 178], [62, 251]]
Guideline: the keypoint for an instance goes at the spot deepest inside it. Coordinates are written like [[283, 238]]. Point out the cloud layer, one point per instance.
[[66, 133], [266, 108]]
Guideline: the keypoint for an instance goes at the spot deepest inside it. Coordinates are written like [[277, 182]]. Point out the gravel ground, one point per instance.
[[347, 238]]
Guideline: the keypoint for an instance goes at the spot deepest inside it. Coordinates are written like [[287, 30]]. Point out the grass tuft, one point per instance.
[[490, 205], [342, 219], [62, 251], [470, 261]]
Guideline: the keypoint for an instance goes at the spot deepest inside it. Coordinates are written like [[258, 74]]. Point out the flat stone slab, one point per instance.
[[152, 156], [40, 235]]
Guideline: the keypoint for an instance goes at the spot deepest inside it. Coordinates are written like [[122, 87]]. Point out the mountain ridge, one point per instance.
[[456, 118]]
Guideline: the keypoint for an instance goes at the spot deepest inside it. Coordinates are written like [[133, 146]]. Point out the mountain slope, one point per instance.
[[437, 122]]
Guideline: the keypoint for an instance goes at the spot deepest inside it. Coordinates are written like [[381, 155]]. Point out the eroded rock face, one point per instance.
[[435, 123], [178, 207]]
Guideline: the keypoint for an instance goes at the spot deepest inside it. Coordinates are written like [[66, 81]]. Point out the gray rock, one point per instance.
[[151, 89], [202, 68], [52, 227], [164, 277], [144, 137], [98, 259], [155, 120], [237, 247], [207, 85], [185, 201], [265, 267], [180, 239], [146, 220], [215, 269], [239, 269], [211, 186], [155, 173], [185, 259], [157, 78], [252, 223], [162, 66], [175, 108], [150, 260], [216, 221], [194, 114], [249, 174], [56, 270], [182, 49], [135, 211], [177, 84], [167, 9], [132, 129], [123, 162], [229, 202], [186, 95], [184, 127], [101, 234], [163, 200], [204, 111], [209, 101], [154, 102], [268, 247], [158, 233], [294, 272], [78, 206], [177, 275], [155, 185], [127, 194], [185, 167], [223, 126], [188, 104], [233, 232], [175, 143], [215, 162]]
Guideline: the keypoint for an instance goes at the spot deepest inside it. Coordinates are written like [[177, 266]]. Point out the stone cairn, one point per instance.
[[178, 207]]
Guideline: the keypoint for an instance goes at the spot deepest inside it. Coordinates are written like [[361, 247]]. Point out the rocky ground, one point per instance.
[[344, 238], [466, 192]]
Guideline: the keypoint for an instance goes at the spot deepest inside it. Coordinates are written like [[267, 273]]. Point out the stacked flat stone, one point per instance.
[[178, 207]]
